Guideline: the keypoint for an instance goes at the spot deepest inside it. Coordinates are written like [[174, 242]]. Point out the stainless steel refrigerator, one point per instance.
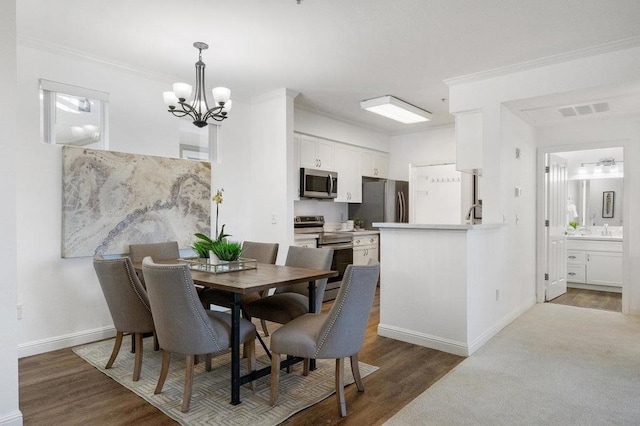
[[383, 200]]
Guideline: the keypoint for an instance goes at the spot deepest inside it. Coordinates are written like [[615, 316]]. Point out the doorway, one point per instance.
[[592, 202]]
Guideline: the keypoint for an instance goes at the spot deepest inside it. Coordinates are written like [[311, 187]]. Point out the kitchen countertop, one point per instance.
[[360, 232]]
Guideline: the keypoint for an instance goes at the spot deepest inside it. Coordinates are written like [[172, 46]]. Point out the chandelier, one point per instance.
[[198, 108]]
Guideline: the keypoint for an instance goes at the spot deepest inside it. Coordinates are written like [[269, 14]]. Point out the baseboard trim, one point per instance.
[[13, 418], [505, 321], [421, 339], [65, 341]]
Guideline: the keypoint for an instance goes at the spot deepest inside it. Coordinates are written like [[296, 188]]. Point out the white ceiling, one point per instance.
[[334, 52]]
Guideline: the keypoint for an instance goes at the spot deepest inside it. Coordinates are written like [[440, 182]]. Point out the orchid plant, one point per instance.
[[223, 249]]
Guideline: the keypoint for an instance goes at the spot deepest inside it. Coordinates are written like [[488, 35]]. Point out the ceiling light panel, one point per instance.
[[396, 109]]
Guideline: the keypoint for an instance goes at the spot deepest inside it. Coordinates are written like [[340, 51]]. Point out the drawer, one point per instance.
[[576, 256], [576, 273], [365, 240]]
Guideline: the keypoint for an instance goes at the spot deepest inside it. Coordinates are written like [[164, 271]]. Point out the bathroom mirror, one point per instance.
[[587, 195]]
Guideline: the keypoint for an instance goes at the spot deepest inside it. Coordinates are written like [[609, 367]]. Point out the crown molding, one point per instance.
[[549, 60], [276, 94], [49, 47], [341, 119]]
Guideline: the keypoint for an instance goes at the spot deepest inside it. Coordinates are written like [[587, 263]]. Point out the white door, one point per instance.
[[557, 187]]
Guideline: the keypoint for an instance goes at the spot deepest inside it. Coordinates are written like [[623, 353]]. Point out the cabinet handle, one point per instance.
[[571, 273], [588, 257], [572, 257], [320, 162], [357, 241]]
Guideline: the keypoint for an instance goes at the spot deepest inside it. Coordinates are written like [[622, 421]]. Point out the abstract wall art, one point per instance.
[[113, 199]]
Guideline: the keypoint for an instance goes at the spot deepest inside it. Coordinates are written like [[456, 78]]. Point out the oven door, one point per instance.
[[342, 257], [318, 183]]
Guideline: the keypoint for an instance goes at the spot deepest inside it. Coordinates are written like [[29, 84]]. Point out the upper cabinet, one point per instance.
[[349, 176], [374, 164], [469, 142], [317, 153]]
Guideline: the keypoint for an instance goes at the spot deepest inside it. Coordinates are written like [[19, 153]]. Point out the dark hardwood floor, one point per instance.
[[607, 301], [60, 388]]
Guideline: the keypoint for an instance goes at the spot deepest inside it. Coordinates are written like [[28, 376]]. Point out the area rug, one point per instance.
[[212, 390], [554, 365]]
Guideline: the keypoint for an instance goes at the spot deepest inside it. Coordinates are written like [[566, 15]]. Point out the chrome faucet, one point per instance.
[[471, 210]]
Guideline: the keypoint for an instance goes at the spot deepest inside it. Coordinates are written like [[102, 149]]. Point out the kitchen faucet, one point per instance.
[[471, 209]]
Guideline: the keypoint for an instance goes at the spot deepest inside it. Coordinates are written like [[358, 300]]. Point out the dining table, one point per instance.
[[260, 278]]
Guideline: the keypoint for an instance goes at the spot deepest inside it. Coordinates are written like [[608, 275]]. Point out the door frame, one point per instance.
[[541, 249]]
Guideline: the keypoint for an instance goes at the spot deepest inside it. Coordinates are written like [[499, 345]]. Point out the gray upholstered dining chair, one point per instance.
[[335, 335], [128, 304], [290, 302], [157, 251], [263, 253], [183, 326]]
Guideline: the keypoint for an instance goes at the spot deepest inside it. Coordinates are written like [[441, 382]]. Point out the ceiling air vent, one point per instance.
[[572, 111], [601, 107], [567, 112]]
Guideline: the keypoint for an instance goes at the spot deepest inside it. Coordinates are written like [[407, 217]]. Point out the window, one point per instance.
[[197, 143], [72, 115]]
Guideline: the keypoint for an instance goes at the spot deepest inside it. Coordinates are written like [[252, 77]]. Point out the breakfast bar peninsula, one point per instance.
[[440, 284]]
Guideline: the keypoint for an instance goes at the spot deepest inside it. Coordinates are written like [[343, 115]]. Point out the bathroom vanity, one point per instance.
[[594, 262]]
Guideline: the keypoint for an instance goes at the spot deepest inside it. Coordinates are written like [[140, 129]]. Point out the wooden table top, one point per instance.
[[264, 277]]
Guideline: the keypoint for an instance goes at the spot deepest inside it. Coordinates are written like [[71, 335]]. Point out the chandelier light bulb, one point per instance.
[[170, 99], [182, 90], [221, 95], [227, 107]]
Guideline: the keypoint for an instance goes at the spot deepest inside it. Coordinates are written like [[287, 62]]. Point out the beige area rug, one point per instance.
[[212, 390], [555, 365]]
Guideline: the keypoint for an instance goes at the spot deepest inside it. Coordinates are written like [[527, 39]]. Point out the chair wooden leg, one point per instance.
[[188, 383], [265, 330], [156, 345], [275, 378], [342, 405], [166, 359], [207, 362], [116, 349], [305, 366], [250, 351], [137, 365], [355, 369]]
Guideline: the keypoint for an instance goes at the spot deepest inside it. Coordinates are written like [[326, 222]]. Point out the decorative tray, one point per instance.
[[216, 266]]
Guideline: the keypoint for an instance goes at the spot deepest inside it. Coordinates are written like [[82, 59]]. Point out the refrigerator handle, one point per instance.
[[405, 213], [400, 209]]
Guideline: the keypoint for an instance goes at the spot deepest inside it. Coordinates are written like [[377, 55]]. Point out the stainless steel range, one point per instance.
[[340, 242]]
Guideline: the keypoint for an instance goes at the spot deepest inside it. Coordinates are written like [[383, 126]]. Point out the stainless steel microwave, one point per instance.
[[316, 183]]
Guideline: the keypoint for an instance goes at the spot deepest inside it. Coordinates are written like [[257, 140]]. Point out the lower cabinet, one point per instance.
[[365, 247], [594, 262], [306, 242]]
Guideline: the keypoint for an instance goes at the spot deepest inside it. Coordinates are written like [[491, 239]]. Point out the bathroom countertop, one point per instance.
[[594, 237]]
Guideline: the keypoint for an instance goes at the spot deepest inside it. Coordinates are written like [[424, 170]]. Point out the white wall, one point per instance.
[[9, 142], [313, 123], [434, 146]]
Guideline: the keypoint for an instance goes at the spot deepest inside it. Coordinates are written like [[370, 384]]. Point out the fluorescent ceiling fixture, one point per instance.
[[396, 109]]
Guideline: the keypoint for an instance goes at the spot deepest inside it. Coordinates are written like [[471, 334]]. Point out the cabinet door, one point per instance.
[[604, 268], [326, 155], [381, 164], [308, 152], [347, 164], [360, 256]]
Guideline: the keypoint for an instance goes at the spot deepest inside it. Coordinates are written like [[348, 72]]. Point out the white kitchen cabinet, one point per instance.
[[469, 141], [365, 247], [374, 163], [306, 242], [594, 262], [349, 177], [317, 153]]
